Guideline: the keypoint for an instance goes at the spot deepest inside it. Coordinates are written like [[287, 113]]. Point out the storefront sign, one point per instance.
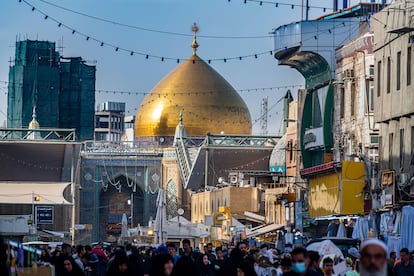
[[313, 138], [319, 168], [278, 169]]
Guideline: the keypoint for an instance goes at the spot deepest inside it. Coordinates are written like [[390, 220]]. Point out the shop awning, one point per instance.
[[49, 193], [263, 230]]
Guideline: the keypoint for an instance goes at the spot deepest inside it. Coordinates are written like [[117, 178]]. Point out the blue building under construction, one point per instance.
[[61, 90]]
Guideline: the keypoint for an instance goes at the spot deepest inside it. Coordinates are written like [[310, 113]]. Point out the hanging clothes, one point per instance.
[[394, 245], [361, 229], [341, 231], [387, 223], [397, 223], [407, 227], [372, 223]]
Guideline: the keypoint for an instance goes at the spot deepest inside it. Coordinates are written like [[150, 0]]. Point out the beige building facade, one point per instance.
[[238, 199], [394, 101], [356, 134]]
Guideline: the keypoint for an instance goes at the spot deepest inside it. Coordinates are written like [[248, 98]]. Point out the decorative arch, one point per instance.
[[114, 201]]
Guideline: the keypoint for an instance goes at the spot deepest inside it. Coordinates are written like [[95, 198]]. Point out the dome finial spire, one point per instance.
[[194, 44]]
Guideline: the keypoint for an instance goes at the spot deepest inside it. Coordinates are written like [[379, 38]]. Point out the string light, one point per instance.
[[147, 56], [112, 22], [285, 4], [248, 90]]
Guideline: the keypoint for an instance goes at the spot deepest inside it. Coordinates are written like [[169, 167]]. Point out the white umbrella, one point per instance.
[[160, 230], [124, 229], [327, 248]]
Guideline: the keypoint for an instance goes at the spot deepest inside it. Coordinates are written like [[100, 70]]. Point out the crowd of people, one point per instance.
[[370, 260]]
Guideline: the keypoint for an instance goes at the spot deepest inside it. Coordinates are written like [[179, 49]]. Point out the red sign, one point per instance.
[[319, 168]]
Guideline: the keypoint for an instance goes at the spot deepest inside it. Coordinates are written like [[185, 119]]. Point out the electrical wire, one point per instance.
[[148, 29], [133, 52]]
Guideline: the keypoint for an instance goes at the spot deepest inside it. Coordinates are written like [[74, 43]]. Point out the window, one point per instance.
[[401, 148], [371, 71], [398, 70], [390, 144], [409, 66], [353, 99], [412, 146], [388, 75], [371, 96], [342, 100], [290, 147], [379, 78], [374, 139]]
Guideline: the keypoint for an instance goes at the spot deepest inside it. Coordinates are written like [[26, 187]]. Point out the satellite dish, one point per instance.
[[180, 211]]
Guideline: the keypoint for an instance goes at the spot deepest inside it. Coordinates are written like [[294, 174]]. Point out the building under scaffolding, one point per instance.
[[61, 89]]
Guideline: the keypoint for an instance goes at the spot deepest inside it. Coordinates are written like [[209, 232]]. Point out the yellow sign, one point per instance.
[[339, 192]]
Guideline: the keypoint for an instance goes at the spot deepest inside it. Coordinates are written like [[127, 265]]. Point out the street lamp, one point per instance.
[[131, 203]]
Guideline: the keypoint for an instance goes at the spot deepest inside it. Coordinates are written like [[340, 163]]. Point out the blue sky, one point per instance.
[[121, 72]]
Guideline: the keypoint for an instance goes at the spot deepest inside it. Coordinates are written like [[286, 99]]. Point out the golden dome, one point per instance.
[[209, 104]]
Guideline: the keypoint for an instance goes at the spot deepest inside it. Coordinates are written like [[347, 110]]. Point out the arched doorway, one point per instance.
[[114, 201]]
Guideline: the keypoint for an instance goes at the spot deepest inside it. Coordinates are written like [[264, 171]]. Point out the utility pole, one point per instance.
[[72, 186]]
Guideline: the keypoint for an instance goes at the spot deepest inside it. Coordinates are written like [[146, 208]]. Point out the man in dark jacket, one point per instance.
[[186, 265]]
